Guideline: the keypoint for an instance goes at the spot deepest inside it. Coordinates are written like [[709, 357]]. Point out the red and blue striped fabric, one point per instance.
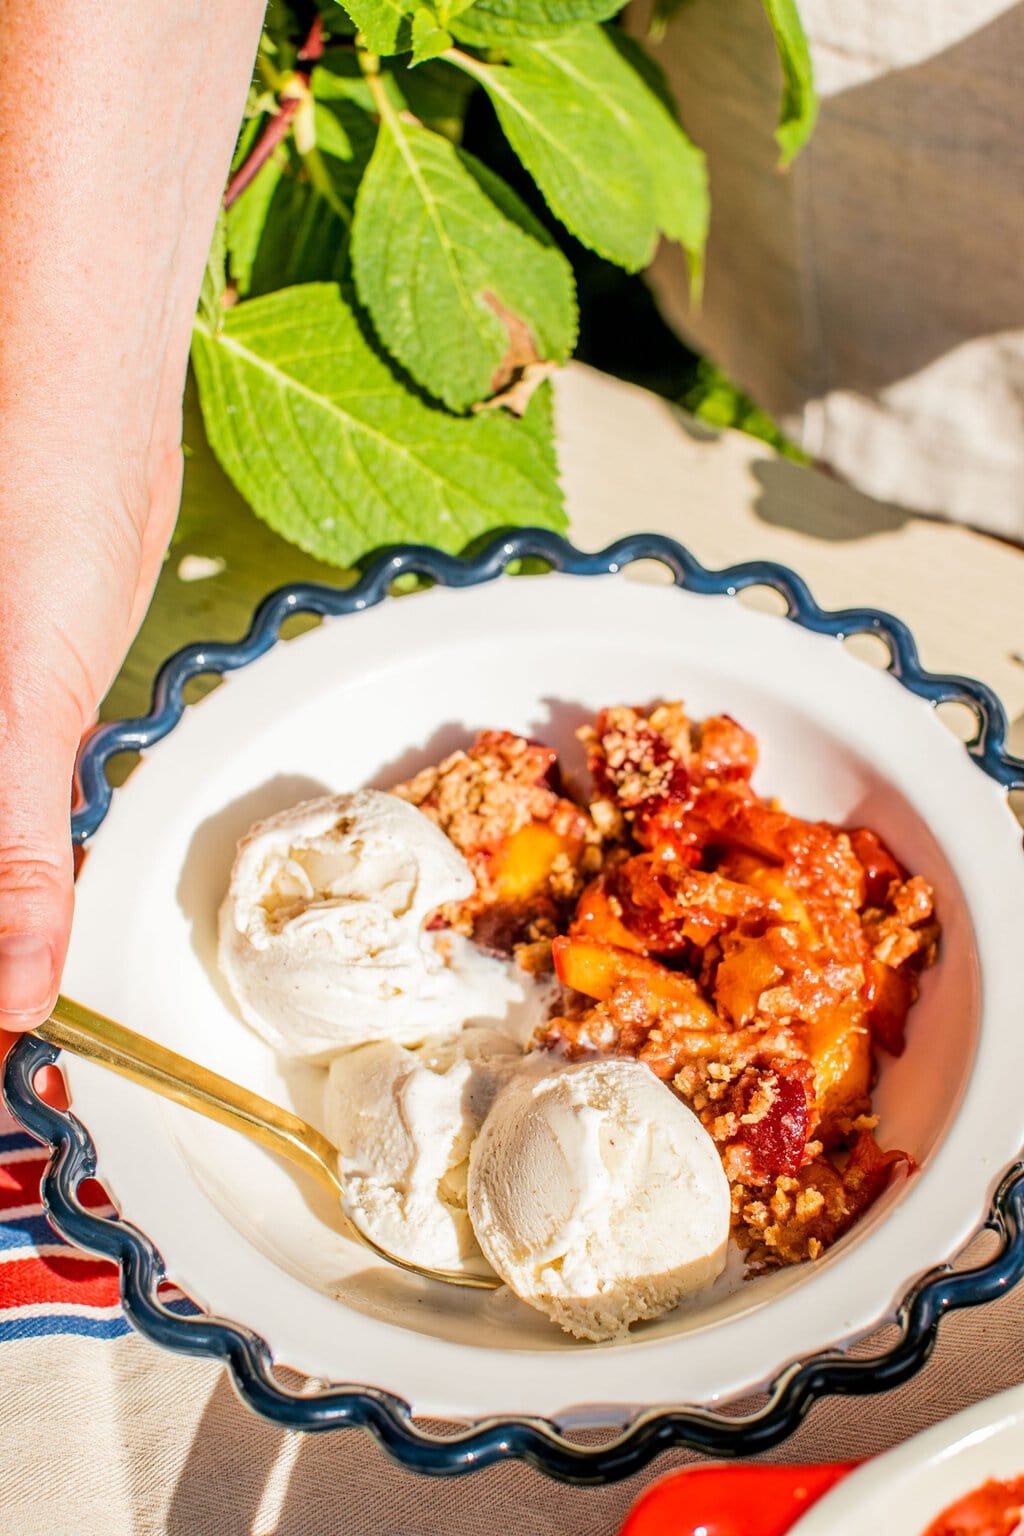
[[46, 1286]]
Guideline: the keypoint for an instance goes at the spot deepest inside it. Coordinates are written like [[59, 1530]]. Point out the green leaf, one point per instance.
[[503, 21], [798, 108], [211, 294], [384, 23], [451, 266], [249, 131], [291, 224], [334, 21], [335, 453], [678, 167], [662, 13], [345, 136], [302, 241], [551, 99], [338, 77], [428, 38], [608, 155], [432, 92], [435, 94], [247, 217]]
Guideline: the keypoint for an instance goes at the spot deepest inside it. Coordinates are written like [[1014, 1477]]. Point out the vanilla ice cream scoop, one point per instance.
[[321, 932], [598, 1196], [403, 1122]]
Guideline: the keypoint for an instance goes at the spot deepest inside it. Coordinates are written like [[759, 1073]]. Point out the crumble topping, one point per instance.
[[752, 959]]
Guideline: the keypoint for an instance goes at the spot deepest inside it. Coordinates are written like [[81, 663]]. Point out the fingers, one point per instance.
[[39, 733], [68, 573]]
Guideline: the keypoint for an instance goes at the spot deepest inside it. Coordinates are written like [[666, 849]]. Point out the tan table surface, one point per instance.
[[112, 1438]]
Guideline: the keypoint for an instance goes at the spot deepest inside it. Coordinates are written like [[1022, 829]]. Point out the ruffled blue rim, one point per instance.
[[387, 1417]]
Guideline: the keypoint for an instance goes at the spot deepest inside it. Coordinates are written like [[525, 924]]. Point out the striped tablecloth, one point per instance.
[[46, 1286]]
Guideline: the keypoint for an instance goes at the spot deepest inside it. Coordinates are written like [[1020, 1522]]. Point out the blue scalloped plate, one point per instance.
[[351, 705]]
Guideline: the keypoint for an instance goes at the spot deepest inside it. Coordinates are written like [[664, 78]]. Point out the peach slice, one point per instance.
[[600, 970]]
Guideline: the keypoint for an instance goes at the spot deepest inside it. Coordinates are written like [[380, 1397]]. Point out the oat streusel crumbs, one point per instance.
[[630, 759], [531, 850], [904, 930], [482, 796], [535, 958], [762, 1101], [864, 1123], [672, 722], [608, 819], [752, 959], [808, 1203]]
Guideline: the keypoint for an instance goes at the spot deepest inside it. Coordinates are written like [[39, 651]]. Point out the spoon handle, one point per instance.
[[84, 1033], [77, 1029]]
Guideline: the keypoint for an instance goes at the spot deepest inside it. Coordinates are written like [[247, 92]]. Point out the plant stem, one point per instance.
[[377, 91], [387, 112], [313, 48], [466, 62], [273, 134], [291, 94]]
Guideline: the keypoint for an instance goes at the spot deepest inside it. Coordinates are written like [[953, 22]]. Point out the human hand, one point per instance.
[[77, 574], [110, 187]]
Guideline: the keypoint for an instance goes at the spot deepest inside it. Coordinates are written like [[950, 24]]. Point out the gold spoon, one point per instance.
[[78, 1029]]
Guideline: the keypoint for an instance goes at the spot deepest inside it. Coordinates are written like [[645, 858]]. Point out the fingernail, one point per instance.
[[26, 973]]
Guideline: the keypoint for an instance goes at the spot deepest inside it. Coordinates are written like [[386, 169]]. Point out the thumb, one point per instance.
[[39, 737]]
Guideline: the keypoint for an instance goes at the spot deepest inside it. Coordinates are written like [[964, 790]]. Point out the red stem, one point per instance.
[[313, 48], [280, 124], [276, 130]]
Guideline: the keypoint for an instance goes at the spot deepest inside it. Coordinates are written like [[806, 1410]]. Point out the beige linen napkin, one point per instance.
[[122, 1439], [870, 297]]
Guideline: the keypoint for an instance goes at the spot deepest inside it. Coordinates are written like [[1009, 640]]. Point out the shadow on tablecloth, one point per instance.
[[243, 1478]]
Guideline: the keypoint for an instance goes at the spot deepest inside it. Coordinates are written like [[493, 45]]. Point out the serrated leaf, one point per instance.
[[385, 24], [334, 21], [338, 77], [345, 136], [249, 131], [435, 94], [440, 264], [552, 104], [678, 167], [291, 223], [211, 294], [798, 107], [335, 453], [502, 21], [302, 241], [428, 38], [246, 220], [608, 155]]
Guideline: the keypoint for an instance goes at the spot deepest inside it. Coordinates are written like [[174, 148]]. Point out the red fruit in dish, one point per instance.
[[994, 1509], [774, 1118]]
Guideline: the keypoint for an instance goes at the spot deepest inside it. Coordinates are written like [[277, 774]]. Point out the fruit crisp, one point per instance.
[[753, 960]]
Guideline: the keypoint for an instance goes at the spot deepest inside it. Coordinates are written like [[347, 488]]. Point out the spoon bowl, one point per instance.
[[74, 1027]]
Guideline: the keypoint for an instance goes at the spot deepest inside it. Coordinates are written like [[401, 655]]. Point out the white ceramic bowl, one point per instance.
[[904, 1491], [367, 700]]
